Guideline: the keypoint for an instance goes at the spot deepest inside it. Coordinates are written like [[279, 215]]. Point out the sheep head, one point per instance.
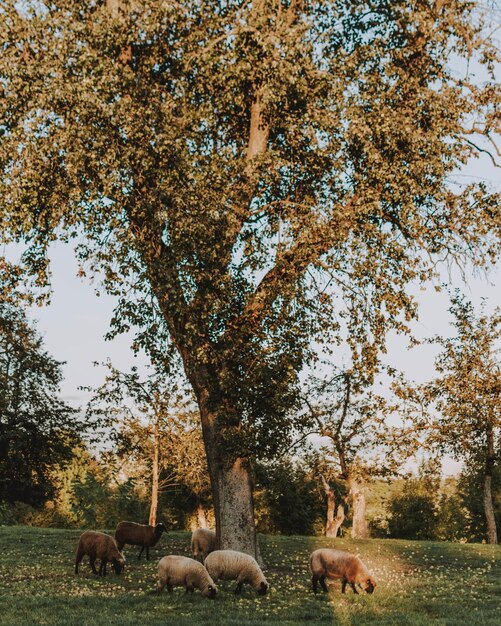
[[369, 585], [263, 588]]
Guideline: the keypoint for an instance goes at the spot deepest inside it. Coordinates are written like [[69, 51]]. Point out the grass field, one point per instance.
[[418, 583]]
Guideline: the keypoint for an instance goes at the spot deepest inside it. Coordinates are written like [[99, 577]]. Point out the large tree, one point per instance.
[[460, 410], [37, 429], [248, 177]]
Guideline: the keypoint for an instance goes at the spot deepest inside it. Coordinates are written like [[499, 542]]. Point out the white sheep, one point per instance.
[[233, 565], [174, 570], [328, 563], [203, 542]]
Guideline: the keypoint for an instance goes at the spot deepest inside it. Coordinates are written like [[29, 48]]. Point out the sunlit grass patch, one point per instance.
[[418, 583]]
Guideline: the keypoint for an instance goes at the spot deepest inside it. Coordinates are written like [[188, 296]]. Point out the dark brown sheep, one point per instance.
[[99, 546], [138, 535]]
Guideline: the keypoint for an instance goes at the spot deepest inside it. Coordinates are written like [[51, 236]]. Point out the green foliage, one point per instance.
[[289, 500], [460, 410], [470, 493], [413, 512], [467, 391], [37, 429], [412, 515]]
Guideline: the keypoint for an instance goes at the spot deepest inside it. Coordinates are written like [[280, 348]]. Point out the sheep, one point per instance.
[[99, 546], [176, 570], [138, 535], [327, 563], [203, 542], [233, 565]]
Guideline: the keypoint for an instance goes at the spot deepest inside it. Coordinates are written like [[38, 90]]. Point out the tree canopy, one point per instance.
[[460, 409], [247, 177], [37, 429]]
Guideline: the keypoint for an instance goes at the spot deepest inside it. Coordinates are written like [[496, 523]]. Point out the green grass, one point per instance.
[[418, 583]]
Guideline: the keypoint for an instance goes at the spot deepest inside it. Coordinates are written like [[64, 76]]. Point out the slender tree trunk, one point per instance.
[[492, 535], [202, 519], [359, 528], [154, 476], [333, 522]]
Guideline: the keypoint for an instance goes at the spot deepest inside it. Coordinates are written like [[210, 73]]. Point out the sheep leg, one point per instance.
[[77, 562], [147, 554], [161, 584], [343, 585], [354, 588], [170, 588], [92, 561], [322, 583], [140, 552], [314, 580], [238, 588]]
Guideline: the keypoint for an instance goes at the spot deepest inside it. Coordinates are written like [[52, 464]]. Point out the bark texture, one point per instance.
[[334, 522], [154, 476], [359, 528], [232, 490], [490, 519]]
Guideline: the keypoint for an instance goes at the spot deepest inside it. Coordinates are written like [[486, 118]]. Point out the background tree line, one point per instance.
[[150, 463]]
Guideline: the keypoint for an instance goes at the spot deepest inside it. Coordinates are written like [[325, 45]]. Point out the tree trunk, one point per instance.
[[202, 520], [492, 535], [359, 528], [333, 523], [154, 476], [232, 489]]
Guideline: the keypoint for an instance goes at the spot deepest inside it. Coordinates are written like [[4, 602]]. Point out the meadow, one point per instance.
[[418, 583]]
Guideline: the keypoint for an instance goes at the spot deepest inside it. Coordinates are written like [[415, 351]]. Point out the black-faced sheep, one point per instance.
[[203, 542], [99, 546], [233, 565], [176, 570], [138, 535], [327, 563]]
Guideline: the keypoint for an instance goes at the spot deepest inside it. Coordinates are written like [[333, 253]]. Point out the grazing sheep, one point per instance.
[[327, 563], [233, 565], [176, 570], [138, 535], [99, 546], [203, 542]]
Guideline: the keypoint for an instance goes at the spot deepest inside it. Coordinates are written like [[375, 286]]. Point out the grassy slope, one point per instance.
[[418, 583]]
